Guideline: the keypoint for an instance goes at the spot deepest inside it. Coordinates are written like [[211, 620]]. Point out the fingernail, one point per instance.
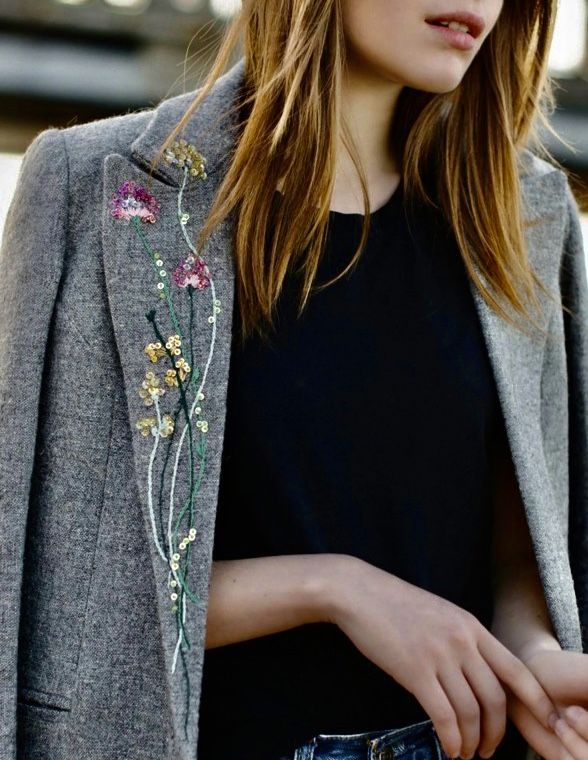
[[552, 719], [574, 712]]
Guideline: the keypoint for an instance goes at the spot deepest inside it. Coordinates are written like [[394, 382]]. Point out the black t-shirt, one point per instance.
[[366, 427]]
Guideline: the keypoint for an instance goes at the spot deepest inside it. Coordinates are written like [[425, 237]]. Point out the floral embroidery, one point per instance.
[[150, 389], [173, 344], [180, 431], [131, 200], [155, 351], [149, 425], [183, 368], [191, 271], [184, 155], [146, 425]]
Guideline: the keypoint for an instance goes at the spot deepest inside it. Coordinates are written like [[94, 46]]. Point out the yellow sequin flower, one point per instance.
[[182, 154], [173, 344], [171, 377], [155, 351], [146, 424], [150, 388], [183, 368]]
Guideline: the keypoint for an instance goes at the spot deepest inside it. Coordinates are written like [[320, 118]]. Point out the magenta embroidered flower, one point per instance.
[[132, 200], [191, 271]]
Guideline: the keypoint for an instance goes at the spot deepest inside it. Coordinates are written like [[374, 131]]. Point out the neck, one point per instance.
[[369, 104]]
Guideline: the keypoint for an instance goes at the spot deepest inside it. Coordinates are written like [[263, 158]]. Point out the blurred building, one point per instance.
[[68, 61]]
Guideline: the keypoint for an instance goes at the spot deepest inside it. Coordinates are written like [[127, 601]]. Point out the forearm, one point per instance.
[[255, 597], [521, 619]]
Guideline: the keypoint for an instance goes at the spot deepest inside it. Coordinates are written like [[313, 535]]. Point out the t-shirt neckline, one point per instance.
[[376, 214]]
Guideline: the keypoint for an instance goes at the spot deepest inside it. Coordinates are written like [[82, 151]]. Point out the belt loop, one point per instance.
[[307, 751]]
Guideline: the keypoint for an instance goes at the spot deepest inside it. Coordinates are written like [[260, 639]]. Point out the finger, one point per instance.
[[492, 701], [466, 707], [577, 717], [575, 744], [544, 741], [438, 707], [517, 677]]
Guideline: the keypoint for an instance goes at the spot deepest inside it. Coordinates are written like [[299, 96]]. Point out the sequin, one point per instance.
[[132, 200], [191, 271], [173, 343], [171, 378], [183, 368], [155, 351], [184, 155], [150, 388], [145, 424], [167, 426]]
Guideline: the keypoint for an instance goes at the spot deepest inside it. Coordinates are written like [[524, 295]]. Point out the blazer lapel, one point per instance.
[[177, 469], [517, 362], [156, 293]]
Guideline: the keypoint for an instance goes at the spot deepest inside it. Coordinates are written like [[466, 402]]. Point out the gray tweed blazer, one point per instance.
[[114, 354]]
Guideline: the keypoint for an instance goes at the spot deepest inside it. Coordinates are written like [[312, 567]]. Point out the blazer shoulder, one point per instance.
[[87, 145], [531, 165]]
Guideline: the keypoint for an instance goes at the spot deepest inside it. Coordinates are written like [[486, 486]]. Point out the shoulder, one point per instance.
[[137, 136], [82, 148], [531, 165]]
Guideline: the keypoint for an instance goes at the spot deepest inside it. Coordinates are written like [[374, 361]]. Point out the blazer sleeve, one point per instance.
[[574, 290], [31, 260]]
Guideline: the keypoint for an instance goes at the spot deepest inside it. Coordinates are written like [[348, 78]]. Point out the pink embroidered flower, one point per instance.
[[132, 200], [191, 271]]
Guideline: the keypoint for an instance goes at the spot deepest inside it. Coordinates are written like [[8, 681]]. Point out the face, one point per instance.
[[390, 40]]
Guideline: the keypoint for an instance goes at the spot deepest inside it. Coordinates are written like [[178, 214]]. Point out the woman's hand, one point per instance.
[[564, 676], [440, 653]]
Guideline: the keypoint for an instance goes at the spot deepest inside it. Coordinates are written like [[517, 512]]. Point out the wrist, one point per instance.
[[543, 643], [330, 590]]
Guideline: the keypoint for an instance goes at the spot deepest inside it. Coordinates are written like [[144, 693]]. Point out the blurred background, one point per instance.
[[65, 62]]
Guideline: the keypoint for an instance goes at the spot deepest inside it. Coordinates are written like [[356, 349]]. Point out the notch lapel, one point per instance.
[[165, 464]]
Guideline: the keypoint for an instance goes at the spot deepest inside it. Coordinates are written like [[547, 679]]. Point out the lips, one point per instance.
[[474, 23]]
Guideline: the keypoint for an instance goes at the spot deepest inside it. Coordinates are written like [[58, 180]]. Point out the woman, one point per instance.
[[374, 575]]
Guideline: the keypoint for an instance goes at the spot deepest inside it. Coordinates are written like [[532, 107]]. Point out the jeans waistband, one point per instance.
[[417, 741]]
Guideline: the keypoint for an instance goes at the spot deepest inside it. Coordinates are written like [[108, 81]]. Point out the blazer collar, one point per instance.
[[211, 129]]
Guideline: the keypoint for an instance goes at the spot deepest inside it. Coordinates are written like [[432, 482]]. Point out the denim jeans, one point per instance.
[[417, 741]]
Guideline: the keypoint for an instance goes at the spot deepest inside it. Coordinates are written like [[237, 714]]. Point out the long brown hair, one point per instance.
[[462, 148]]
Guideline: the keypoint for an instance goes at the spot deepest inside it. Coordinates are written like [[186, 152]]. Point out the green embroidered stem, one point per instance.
[[162, 476], [196, 372], [189, 502], [153, 259], [187, 676]]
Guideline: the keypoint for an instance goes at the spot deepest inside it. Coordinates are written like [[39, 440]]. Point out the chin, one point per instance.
[[439, 80]]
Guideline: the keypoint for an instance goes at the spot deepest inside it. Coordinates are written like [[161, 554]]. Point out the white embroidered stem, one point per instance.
[[179, 641], [193, 406], [150, 480]]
